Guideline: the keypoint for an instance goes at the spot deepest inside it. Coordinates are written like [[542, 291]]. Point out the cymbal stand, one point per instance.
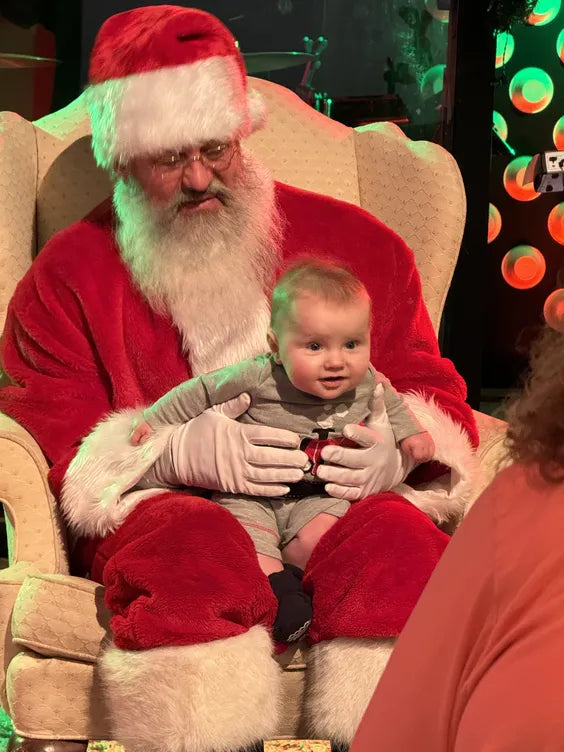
[[305, 88]]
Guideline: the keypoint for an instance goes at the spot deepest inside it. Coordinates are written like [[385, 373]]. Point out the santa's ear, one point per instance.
[[272, 340]]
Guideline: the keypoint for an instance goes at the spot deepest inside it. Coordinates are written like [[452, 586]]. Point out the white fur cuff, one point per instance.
[[216, 696], [342, 675], [94, 498], [445, 498]]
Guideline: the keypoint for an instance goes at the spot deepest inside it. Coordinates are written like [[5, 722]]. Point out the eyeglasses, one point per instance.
[[215, 157]]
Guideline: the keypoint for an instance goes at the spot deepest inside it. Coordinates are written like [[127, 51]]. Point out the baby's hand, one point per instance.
[[140, 432], [419, 447]]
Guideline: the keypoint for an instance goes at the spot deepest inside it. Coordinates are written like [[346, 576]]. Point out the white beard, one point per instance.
[[212, 271]]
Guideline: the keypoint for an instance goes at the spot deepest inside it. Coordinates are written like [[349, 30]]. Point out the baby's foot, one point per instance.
[[294, 605]]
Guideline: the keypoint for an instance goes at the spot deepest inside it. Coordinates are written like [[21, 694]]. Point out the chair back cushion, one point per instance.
[[18, 177]]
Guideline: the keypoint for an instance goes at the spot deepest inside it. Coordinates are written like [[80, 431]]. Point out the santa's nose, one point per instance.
[[196, 176]]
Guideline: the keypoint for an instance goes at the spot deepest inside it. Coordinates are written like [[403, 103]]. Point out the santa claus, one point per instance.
[[174, 281]]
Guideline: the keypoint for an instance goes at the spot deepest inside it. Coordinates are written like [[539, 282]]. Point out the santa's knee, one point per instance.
[[368, 571], [183, 571]]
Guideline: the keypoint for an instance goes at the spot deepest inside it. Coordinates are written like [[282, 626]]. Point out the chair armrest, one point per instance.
[[491, 452], [33, 522]]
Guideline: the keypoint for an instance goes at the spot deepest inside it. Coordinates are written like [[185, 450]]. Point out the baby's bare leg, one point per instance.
[[269, 564], [300, 547]]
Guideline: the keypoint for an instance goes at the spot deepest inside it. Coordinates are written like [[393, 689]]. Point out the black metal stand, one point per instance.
[[467, 128]]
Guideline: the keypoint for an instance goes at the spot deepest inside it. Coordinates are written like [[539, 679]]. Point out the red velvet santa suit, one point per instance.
[[83, 348]]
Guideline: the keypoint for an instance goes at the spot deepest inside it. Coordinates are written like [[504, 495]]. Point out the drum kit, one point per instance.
[[267, 62], [349, 110], [352, 111]]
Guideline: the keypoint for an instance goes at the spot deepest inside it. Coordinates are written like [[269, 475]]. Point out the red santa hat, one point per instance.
[[164, 77]]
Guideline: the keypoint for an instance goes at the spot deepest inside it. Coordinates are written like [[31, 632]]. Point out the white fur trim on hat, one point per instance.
[[214, 697], [171, 108], [94, 498], [446, 498], [342, 675]]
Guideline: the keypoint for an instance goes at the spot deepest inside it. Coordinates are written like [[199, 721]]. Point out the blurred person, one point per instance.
[[480, 663]]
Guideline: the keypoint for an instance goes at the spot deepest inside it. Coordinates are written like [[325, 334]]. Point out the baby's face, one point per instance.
[[324, 346]]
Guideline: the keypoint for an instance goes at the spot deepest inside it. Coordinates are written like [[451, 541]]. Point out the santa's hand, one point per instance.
[[216, 452], [355, 473]]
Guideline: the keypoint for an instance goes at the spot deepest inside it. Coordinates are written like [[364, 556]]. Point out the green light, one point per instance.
[[560, 46], [504, 48], [440, 15], [544, 12], [500, 125], [432, 81], [531, 90]]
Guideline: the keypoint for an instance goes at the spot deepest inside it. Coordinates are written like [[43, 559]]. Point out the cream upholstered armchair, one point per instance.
[[52, 624]]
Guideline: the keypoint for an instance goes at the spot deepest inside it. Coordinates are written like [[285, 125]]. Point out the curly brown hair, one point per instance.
[[536, 417]]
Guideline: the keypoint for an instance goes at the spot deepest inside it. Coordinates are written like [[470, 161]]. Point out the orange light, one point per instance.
[[504, 48], [544, 12], [513, 180], [558, 134], [556, 223], [494, 223], [553, 310], [523, 267]]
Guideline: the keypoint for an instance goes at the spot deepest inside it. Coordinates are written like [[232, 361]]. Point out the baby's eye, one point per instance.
[[315, 346], [351, 344]]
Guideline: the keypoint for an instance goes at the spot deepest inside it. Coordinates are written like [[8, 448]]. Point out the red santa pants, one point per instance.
[[181, 570]]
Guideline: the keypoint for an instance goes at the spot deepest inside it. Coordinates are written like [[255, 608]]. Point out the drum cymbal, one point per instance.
[[263, 62], [16, 60]]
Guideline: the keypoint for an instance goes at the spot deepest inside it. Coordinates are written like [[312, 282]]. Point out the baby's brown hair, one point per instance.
[[536, 417], [326, 279]]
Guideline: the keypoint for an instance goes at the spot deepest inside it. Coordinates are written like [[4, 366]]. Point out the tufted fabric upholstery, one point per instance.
[[61, 616], [53, 698], [424, 202], [18, 188], [52, 625]]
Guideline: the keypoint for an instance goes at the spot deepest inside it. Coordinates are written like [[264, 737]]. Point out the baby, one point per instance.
[[316, 379]]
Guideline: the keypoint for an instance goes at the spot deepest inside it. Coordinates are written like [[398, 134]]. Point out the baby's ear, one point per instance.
[[273, 344]]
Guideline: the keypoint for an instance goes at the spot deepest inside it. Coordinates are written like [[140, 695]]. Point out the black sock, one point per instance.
[[294, 604]]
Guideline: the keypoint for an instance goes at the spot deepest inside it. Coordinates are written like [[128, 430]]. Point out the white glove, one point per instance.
[[215, 452], [355, 473]]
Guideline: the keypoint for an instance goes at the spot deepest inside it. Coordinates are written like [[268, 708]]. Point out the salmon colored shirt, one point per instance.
[[479, 666]]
